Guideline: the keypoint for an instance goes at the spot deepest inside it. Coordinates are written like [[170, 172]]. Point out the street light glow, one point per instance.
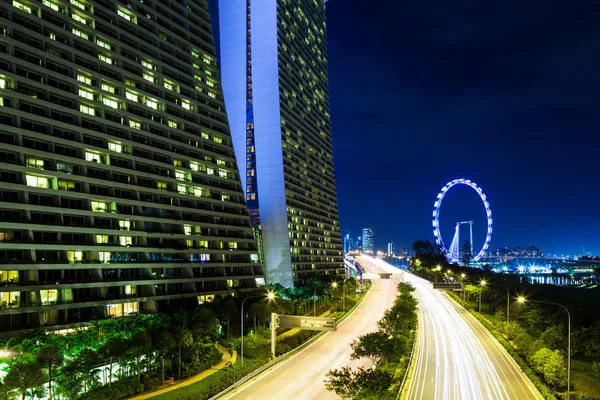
[[483, 283], [521, 299], [463, 275], [334, 285], [271, 296]]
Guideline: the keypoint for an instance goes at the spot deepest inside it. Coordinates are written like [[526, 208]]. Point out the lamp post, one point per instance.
[[523, 300], [507, 299], [270, 296], [482, 283], [315, 302], [335, 285], [462, 279]]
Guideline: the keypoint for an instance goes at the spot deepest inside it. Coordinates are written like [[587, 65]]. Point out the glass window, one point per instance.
[[9, 276], [180, 175], [50, 4], [147, 64], [80, 33], [110, 102], [135, 124], [132, 96], [186, 104], [95, 157], [187, 229], [162, 185], [114, 310], [34, 163], [148, 77], [126, 14], [86, 94], [152, 103], [130, 308], [130, 289], [79, 4], [66, 185], [22, 6], [223, 173], [115, 146], [104, 257], [173, 124], [81, 20], [125, 240], [105, 58], [194, 166], [198, 191], [109, 88], [84, 79], [74, 256], [99, 206], [38, 181], [181, 189], [125, 225], [48, 296], [10, 299], [104, 44], [101, 239], [87, 109], [210, 171]]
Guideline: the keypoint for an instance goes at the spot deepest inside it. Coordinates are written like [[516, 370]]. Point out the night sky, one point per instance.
[[505, 94]]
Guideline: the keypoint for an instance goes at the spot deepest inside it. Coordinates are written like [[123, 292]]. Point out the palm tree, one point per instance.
[[50, 357], [183, 340], [162, 340], [88, 360], [6, 393], [230, 308], [113, 349], [23, 376], [141, 340]]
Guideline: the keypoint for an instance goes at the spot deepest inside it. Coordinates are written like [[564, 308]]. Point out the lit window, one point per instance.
[[81, 19], [50, 4], [9, 276], [206, 60], [194, 166], [115, 146], [34, 163], [177, 163], [66, 185], [84, 79], [135, 124], [130, 289], [217, 139], [130, 308], [74, 256], [148, 77], [114, 310], [162, 185], [173, 124], [87, 109], [186, 104], [148, 64], [105, 58], [22, 6], [132, 96], [171, 86], [221, 162], [94, 157], [104, 44], [152, 103], [2, 83], [79, 4], [38, 181], [181, 189], [210, 171], [64, 168], [48, 296], [101, 239], [210, 83], [223, 173], [110, 102], [125, 240], [125, 225], [198, 191], [187, 229], [180, 175], [205, 135], [207, 72], [126, 14], [108, 87], [130, 82], [233, 245], [80, 33], [212, 95], [86, 94]]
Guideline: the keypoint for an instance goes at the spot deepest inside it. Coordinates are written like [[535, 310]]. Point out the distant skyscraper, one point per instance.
[[367, 240], [348, 243], [119, 190], [274, 70], [391, 249]]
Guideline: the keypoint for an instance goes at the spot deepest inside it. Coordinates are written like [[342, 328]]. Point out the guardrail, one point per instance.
[[286, 355], [410, 365]]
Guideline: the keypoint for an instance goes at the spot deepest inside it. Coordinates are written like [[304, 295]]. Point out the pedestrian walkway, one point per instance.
[[227, 360]]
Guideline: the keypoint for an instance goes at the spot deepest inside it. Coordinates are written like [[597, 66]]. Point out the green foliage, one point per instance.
[[25, 376], [551, 365]]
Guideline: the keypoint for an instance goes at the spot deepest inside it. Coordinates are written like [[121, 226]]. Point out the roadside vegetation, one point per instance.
[[388, 349], [537, 334], [117, 358]]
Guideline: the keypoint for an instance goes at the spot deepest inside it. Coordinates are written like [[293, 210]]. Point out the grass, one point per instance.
[[193, 389]]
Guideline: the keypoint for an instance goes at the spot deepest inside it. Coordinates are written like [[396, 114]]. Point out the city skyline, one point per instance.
[[489, 95]]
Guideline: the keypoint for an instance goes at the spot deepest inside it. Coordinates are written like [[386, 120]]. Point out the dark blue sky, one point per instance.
[[506, 94]]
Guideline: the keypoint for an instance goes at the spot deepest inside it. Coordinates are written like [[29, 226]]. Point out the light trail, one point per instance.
[[457, 357]]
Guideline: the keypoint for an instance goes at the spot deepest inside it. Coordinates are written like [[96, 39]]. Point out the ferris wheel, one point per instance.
[[453, 252]]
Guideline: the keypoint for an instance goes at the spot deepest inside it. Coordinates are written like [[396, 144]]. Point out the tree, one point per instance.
[[112, 349], [140, 340], [6, 393], [162, 340], [50, 357], [377, 346], [183, 340], [359, 384], [551, 365], [23, 376], [230, 309], [88, 360]]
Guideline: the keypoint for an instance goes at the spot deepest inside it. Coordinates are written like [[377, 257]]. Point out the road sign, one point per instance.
[[398, 276], [307, 323], [448, 286]]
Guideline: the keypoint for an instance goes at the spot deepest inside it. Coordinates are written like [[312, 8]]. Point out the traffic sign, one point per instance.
[[307, 323], [448, 286]]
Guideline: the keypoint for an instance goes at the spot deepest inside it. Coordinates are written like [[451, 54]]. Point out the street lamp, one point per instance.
[[482, 283], [270, 296], [507, 299], [523, 300]]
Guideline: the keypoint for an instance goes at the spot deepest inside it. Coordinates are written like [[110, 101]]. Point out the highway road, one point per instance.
[[457, 358], [301, 376]]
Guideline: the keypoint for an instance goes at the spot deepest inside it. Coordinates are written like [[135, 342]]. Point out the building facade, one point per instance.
[[274, 69], [348, 243], [367, 240], [391, 249], [119, 190]]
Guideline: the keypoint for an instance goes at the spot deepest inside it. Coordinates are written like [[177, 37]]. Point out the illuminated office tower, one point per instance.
[[367, 240], [119, 190], [274, 70]]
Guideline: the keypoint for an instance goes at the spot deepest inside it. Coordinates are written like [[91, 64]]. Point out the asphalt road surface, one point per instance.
[[301, 377], [457, 358]]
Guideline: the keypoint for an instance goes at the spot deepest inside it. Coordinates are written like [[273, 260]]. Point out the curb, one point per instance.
[[288, 354]]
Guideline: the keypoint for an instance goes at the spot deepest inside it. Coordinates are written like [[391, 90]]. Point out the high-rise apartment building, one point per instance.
[[391, 249], [348, 243], [274, 69], [119, 190], [367, 240]]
